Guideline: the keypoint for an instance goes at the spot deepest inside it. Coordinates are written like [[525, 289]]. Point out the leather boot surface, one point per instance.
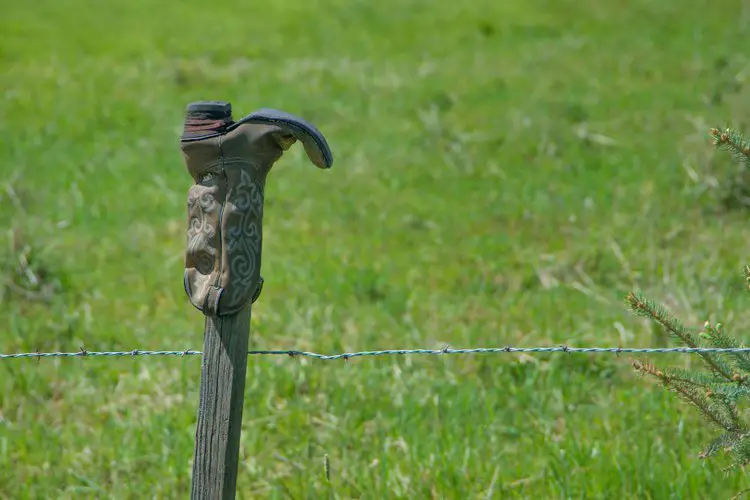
[[229, 162]]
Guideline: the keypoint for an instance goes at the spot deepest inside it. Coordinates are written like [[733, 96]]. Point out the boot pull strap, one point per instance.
[[312, 139]]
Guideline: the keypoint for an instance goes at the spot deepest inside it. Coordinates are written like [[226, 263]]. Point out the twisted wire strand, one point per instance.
[[392, 352]]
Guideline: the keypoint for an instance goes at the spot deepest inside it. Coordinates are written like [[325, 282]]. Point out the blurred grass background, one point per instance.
[[505, 173]]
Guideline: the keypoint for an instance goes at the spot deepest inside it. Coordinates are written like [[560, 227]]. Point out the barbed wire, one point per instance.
[[394, 352]]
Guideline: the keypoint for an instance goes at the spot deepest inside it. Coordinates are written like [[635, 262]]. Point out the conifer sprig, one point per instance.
[[645, 308], [733, 141]]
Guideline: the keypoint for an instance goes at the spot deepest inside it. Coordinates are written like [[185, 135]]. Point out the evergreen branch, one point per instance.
[[741, 452], [726, 442], [692, 394], [733, 141], [728, 407], [731, 391], [700, 400], [721, 396], [645, 308], [698, 378], [718, 338]]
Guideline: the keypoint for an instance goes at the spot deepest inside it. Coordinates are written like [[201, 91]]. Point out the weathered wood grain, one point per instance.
[[217, 436]]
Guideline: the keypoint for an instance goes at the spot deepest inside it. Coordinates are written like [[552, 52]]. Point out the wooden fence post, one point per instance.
[[229, 162], [222, 393]]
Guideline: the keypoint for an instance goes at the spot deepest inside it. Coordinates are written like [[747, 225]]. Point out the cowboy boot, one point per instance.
[[229, 162]]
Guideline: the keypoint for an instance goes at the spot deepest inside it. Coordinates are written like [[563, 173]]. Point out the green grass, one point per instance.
[[505, 173]]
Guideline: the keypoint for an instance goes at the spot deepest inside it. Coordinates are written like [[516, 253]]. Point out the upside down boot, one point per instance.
[[229, 162]]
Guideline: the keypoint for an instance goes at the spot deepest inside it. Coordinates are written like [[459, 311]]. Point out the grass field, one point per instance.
[[505, 172]]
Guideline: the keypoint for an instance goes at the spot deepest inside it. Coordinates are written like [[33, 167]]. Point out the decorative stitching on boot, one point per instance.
[[243, 232]]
